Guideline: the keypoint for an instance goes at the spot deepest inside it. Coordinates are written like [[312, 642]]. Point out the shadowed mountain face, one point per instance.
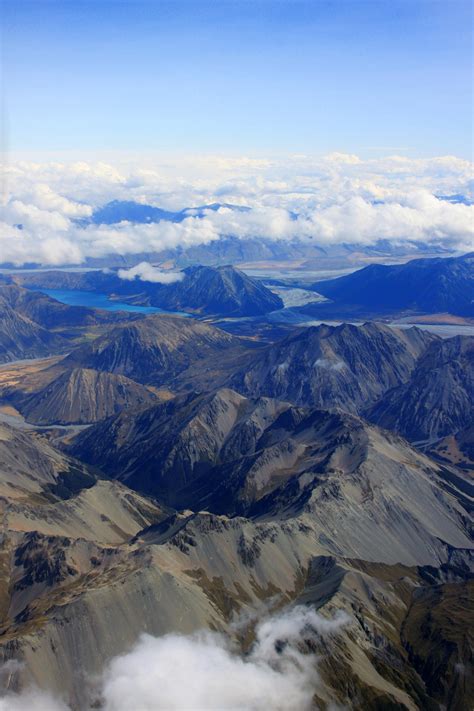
[[438, 399], [156, 349], [203, 290], [219, 290], [265, 458], [345, 366], [20, 337], [423, 285], [128, 211]]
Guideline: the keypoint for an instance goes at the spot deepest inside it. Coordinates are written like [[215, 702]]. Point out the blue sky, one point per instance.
[[260, 77]]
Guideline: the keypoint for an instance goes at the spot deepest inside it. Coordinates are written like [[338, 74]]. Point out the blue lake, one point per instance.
[[74, 297]]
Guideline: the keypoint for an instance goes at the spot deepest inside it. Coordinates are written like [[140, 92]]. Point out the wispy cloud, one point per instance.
[[147, 272]]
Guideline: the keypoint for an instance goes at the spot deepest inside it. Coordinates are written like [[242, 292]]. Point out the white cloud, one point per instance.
[[337, 198], [32, 700], [147, 272], [203, 671]]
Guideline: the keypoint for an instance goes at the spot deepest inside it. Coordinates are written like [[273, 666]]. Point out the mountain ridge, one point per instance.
[[430, 285]]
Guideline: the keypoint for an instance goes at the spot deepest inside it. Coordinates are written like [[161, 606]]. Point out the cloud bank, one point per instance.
[[336, 199], [203, 671], [147, 272]]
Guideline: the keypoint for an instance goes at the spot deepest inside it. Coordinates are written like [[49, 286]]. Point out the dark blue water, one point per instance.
[[74, 297]]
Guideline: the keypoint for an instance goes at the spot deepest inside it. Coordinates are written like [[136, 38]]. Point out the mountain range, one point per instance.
[[262, 458], [329, 366], [358, 521], [202, 290], [438, 285], [33, 325], [159, 475]]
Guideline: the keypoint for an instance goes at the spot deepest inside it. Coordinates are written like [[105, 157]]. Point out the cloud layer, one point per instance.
[[203, 671], [338, 198]]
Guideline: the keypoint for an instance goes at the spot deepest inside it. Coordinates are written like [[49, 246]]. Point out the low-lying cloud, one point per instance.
[[147, 272], [327, 201], [204, 670]]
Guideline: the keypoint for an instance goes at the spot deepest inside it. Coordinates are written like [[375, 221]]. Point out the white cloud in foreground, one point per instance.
[[147, 272], [32, 700], [334, 199], [202, 671]]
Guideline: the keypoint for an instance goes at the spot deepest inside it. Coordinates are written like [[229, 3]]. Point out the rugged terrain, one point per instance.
[[264, 458], [327, 366], [81, 395], [33, 325], [157, 349], [52, 314], [160, 475], [438, 399], [223, 290], [438, 285], [20, 337]]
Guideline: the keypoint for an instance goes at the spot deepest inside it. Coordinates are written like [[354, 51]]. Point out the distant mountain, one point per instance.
[[438, 398], [422, 286], [203, 290], [325, 366], [93, 281], [80, 396], [156, 349], [129, 211], [457, 198], [218, 290]]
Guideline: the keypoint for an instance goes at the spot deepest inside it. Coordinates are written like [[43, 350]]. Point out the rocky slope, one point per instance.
[[105, 511], [345, 366], [80, 396], [156, 349], [361, 523], [422, 285], [438, 399], [22, 338], [456, 449], [263, 458], [65, 595], [218, 509], [31, 470]]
